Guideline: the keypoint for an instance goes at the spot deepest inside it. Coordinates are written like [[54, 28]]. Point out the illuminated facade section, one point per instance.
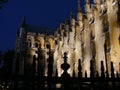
[[94, 35]]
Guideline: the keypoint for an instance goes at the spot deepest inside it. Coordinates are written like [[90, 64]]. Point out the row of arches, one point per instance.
[[40, 42]]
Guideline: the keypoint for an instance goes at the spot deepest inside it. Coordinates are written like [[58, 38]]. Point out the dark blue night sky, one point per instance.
[[46, 13]]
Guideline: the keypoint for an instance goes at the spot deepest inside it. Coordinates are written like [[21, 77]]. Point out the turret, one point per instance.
[[79, 12], [72, 19], [67, 24], [23, 24], [22, 29], [87, 6], [98, 4], [62, 27], [88, 11]]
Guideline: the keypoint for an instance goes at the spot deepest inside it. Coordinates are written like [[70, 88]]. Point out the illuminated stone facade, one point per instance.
[[94, 35]]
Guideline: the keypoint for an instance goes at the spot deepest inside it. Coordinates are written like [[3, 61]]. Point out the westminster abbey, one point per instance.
[[93, 35]]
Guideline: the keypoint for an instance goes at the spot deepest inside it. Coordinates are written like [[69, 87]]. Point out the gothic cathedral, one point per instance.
[[94, 35]]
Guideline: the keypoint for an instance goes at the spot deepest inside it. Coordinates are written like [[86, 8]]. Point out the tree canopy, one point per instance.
[[2, 2]]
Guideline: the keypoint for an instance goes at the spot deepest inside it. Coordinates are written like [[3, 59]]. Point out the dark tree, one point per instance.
[[2, 2], [0, 62], [0, 57], [6, 70]]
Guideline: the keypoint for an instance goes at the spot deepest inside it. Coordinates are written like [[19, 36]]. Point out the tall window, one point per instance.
[[39, 45], [29, 43], [48, 46], [36, 45]]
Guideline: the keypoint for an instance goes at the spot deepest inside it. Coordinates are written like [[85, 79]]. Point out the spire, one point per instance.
[[79, 13], [67, 22], [72, 19], [71, 15], [78, 8], [87, 6], [23, 22]]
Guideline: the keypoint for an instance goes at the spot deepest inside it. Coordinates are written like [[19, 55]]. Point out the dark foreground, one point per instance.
[[63, 84]]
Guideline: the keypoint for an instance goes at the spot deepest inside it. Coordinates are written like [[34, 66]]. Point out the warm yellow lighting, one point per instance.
[[85, 38]]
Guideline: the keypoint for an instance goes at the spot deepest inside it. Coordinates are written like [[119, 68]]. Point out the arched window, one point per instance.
[[29, 40], [36, 45], [47, 46], [39, 45], [29, 43]]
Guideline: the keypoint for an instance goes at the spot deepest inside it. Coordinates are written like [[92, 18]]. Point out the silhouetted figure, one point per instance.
[[80, 73], [65, 66], [79, 69], [102, 70], [92, 73], [91, 69], [85, 74], [65, 76], [112, 75], [102, 83], [112, 70]]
